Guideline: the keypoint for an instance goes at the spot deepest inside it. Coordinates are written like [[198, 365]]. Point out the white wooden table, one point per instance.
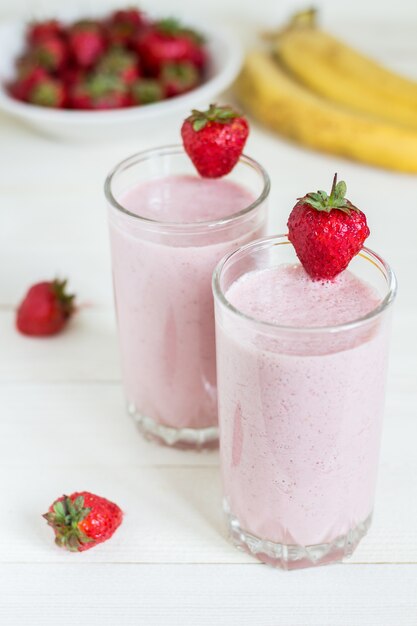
[[63, 426]]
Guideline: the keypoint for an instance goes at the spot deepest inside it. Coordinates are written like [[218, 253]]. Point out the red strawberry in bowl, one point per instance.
[[214, 139], [51, 53], [83, 520], [124, 25], [46, 309], [87, 42], [121, 63], [167, 41], [29, 73], [38, 31], [327, 231], [100, 91], [179, 78], [146, 91], [48, 92]]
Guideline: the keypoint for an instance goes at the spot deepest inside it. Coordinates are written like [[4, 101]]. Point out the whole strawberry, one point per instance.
[[45, 309], [214, 139], [121, 63], [86, 42], [51, 53], [167, 41], [29, 74], [178, 78], [83, 520], [146, 91], [100, 91], [326, 231], [38, 31], [124, 26], [48, 92]]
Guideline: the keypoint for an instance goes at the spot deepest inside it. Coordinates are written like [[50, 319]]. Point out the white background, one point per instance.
[[62, 423]]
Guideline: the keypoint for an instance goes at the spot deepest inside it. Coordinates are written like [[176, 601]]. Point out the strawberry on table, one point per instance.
[[179, 78], [214, 139], [168, 41], [146, 91], [83, 520], [327, 231], [45, 309], [87, 42]]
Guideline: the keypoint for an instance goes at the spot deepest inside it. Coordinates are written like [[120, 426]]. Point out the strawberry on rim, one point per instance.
[[327, 231], [214, 139]]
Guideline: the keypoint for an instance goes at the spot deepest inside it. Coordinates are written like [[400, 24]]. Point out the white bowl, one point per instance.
[[225, 54]]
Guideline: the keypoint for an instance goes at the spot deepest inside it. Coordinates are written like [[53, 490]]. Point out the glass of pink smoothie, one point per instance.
[[168, 229], [301, 368]]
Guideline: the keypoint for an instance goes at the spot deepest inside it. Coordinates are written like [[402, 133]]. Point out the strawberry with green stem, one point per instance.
[[120, 63], [46, 309], [51, 53], [83, 520], [179, 78], [167, 41], [146, 91], [327, 231], [86, 42], [48, 92], [99, 91], [124, 26], [214, 139]]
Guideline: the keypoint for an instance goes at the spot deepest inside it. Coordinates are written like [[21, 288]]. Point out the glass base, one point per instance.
[[183, 438], [293, 556]]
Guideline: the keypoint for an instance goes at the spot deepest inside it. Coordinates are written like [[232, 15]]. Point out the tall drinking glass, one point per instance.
[[162, 271], [300, 411]]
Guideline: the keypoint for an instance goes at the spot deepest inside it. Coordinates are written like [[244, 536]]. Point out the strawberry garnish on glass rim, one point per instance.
[[214, 139], [327, 231]]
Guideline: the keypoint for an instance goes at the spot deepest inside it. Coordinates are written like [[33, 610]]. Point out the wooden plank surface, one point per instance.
[[63, 424], [181, 595]]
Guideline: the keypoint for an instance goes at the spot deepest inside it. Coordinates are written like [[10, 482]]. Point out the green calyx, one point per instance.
[[215, 113], [147, 90], [65, 518], [173, 27], [336, 200], [101, 84], [66, 300], [45, 94], [116, 60], [183, 72]]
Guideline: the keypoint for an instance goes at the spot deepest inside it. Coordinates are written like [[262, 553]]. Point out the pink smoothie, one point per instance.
[[162, 282], [300, 415]]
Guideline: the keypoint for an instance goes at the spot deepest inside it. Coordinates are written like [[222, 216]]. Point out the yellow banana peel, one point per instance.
[[275, 98], [343, 75]]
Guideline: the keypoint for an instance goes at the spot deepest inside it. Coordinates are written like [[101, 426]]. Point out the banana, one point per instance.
[[279, 101], [342, 75]]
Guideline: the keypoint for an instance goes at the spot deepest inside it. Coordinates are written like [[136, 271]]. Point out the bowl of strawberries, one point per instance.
[[103, 76]]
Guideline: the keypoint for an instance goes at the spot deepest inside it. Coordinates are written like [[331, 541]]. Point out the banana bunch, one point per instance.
[[310, 87]]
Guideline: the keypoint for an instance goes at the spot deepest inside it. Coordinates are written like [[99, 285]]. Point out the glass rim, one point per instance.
[[281, 239], [175, 149]]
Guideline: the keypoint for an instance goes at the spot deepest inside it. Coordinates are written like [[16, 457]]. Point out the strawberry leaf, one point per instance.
[[215, 113], [336, 200]]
